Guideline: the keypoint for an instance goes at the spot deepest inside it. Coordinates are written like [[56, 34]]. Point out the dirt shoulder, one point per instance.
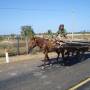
[[30, 57]]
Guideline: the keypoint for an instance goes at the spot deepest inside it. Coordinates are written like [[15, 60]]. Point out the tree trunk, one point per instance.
[[26, 40]]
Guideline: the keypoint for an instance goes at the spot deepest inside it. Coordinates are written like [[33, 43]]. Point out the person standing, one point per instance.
[[61, 33]]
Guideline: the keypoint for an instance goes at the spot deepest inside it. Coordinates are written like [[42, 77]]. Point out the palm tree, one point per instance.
[[12, 36], [27, 32], [50, 34]]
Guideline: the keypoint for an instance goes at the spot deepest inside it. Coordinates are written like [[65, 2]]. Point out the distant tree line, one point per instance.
[[28, 32]]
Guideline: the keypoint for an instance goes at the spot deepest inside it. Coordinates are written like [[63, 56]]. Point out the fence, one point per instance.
[[18, 46]]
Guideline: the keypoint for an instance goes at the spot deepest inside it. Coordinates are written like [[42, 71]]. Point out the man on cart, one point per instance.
[[61, 33]]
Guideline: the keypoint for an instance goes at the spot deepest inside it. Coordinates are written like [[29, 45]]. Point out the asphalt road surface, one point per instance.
[[29, 76]]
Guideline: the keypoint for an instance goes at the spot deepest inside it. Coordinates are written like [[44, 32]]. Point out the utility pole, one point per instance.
[[18, 51], [73, 23], [72, 36]]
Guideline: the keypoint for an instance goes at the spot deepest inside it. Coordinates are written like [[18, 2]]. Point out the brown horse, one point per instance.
[[47, 46]]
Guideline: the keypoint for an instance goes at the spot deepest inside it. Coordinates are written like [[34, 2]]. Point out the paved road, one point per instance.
[[28, 76]]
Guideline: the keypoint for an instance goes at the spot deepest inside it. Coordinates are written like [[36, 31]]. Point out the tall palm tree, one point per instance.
[[50, 34], [27, 32]]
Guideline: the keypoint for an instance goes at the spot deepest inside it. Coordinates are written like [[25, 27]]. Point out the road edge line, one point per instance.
[[80, 84]]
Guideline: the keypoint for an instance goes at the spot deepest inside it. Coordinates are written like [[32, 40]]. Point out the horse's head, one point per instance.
[[32, 43]]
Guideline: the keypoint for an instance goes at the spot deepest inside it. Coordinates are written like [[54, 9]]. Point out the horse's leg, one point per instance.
[[43, 67], [46, 58], [82, 55], [58, 53], [62, 53], [73, 53], [78, 55], [67, 53]]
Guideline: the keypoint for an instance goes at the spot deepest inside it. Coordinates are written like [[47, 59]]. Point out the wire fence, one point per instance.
[[17, 46]]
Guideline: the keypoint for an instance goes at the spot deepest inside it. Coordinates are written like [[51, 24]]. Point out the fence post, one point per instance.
[[26, 40], [18, 51], [7, 56], [72, 35]]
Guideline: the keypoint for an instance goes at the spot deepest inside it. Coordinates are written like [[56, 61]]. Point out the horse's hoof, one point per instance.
[[51, 65], [57, 63], [43, 68], [63, 64], [57, 66]]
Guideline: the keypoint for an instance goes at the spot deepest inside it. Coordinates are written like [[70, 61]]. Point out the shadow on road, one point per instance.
[[74, 60], [69, 61]]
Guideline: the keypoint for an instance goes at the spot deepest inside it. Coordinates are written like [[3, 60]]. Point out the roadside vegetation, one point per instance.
[[18, 44]]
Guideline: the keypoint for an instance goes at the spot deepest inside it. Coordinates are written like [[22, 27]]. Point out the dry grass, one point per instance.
[[31, 57], [85, 37], [12, 44]]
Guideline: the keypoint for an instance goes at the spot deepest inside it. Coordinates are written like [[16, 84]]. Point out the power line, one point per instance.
[[27, 9]]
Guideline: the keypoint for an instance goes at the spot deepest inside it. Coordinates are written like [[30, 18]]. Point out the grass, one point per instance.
[[13, 50], [11, 45], [30, 57]]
